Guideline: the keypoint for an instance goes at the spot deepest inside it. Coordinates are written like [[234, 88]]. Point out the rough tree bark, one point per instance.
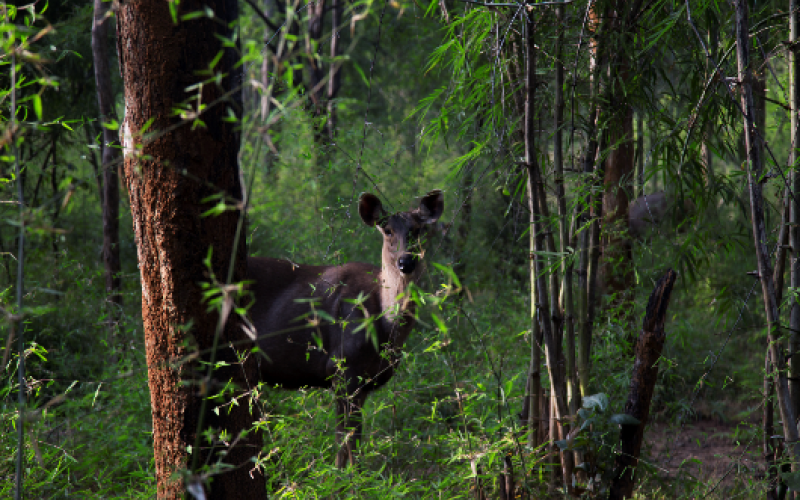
[[169, 173], [109, 158], [616, 268], [643, 382], [755, 156]]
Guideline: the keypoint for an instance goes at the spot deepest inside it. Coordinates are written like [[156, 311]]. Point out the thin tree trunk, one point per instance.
[[93, 160], [334, 76], [592, 246], [707, 156], [639, 188], [477, 485], [783, 243], [573, 393], [534, 413], [643, 382], [45, 163], [19, 471], [768, 429], [534, 386], [584, 341], [587, 277], [169, 178], [769, 384], [265, 76], [558, 387], [54, 186], [794, 231], [759, 87], [506, 479], [316, 23], [754, 148], [110, 158]]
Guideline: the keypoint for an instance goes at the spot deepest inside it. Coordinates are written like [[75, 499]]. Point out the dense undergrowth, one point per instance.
[[450, 412]]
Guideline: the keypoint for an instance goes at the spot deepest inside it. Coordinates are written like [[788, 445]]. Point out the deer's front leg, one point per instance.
[[349, 427]]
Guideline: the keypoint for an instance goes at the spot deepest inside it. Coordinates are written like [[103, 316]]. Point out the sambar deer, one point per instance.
[[651, 211], [342, 326]]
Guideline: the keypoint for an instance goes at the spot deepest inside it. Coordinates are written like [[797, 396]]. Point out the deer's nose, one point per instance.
[[407, 263]]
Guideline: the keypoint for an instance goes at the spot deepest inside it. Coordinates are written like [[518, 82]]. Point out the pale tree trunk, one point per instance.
[[558, 386], [168, 177], [754, 147], [593, 274], [534, 387], [316, 70], [334, 73], [110, 156]]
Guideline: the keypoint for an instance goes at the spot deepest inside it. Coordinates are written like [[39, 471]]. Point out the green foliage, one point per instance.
[[441, 113]]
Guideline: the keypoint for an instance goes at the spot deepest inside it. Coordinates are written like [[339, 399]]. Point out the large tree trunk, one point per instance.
[[616, 269], [169, 173], [617, 262], [755, 156], [110, 156]]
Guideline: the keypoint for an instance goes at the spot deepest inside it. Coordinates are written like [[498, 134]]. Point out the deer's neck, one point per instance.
[[396, 309]]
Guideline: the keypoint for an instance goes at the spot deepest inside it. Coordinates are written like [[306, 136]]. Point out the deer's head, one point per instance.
[[403, 232]]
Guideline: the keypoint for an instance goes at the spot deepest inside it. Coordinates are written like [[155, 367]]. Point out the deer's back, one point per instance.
[[288, 297]]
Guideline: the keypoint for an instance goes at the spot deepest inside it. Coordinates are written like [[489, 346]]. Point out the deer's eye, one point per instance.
[[387, 231]]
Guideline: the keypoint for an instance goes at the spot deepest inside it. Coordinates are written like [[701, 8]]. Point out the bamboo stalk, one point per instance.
[[557, 382], [794, 231], [754, 148], [568, 319]]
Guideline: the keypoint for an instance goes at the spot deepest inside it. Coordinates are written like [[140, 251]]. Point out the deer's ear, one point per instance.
[[370, 209], [431, 206]]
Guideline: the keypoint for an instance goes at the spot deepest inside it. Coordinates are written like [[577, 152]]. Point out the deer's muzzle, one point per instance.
[[407, 263]]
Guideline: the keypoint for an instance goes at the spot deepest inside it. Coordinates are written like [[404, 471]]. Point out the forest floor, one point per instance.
[[707, 450]]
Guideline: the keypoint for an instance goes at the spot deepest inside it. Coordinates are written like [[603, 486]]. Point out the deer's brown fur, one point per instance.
[[372, 318]]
